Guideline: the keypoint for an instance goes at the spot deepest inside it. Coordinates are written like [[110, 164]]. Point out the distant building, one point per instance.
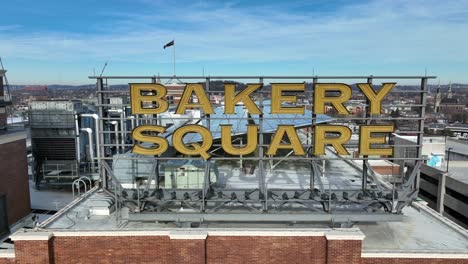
[[448, 104], [35, 88], [174, 92], [356, 107]]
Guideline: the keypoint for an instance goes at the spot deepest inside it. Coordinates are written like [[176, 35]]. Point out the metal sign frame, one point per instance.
[[374, 200]]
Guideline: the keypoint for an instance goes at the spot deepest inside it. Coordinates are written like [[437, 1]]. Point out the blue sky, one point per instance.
[[61, 42]]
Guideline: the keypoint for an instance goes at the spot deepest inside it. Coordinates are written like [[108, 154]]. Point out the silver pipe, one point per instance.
[[122, 134], [91, 145], [78, 147], [96, 125], [132, 119], [116, 132]]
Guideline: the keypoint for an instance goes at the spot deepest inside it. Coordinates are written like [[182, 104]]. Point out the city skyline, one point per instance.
[[55, 42]]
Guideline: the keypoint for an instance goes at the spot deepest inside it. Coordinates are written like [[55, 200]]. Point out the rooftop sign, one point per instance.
[[149, 98]]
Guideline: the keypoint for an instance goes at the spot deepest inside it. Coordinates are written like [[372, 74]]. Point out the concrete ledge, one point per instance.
[[188, 235], [111, 233], [12, 137], [416, 255], [31, 236], [266, 233], [330, 234], [345, 234], [7, 254]]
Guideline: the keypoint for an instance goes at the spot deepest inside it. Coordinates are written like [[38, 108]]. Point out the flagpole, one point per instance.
[[174, 57]]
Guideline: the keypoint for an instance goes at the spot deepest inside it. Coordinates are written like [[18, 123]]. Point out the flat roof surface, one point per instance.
[[49, 197], [420, 231]]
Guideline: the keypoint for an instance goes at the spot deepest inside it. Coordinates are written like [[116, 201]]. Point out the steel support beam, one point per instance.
[[261, 168], [368, 122], [102, 152], [270, 217], [268, 77], [421, 124]]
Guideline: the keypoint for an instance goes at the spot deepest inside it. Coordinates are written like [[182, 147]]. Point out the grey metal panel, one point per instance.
[[428, 187], [430, 171], [457, 185], [465, 225], [456, 205], [54, 148]]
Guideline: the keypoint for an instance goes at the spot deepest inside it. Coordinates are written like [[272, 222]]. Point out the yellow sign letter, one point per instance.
[[197, 149], [375, 99], [138, 135], [226, 141], [295, 143], [203, 101], [320, 97], [337, 142], [366, 140], [143, 97], [230, 98], [277, 98]]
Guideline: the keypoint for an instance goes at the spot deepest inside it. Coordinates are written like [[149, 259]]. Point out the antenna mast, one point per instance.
[[103, 68]]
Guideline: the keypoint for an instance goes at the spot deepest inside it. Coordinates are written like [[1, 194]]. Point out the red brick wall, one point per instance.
[[215, 249], [14, 179], [125, 249], [33, 252], [412, 261], [245, 249], [344, 251], [188, 251], [7, 260], [128, 249]]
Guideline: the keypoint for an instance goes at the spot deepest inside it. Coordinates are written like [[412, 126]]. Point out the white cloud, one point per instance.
[[377, 33]]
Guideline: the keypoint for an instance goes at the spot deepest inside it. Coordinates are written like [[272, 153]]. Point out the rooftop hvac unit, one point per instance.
[[56, 143]]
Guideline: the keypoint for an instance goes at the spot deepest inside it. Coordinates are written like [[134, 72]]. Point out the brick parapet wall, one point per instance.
[[413, 261], [126, 249], [264, 249], [33, 252], [344, 251], [7, 260], [164, 247], [7, 257], [188, 251]]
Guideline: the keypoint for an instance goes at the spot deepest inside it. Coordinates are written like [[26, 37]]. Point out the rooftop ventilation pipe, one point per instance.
[[91, 145]]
